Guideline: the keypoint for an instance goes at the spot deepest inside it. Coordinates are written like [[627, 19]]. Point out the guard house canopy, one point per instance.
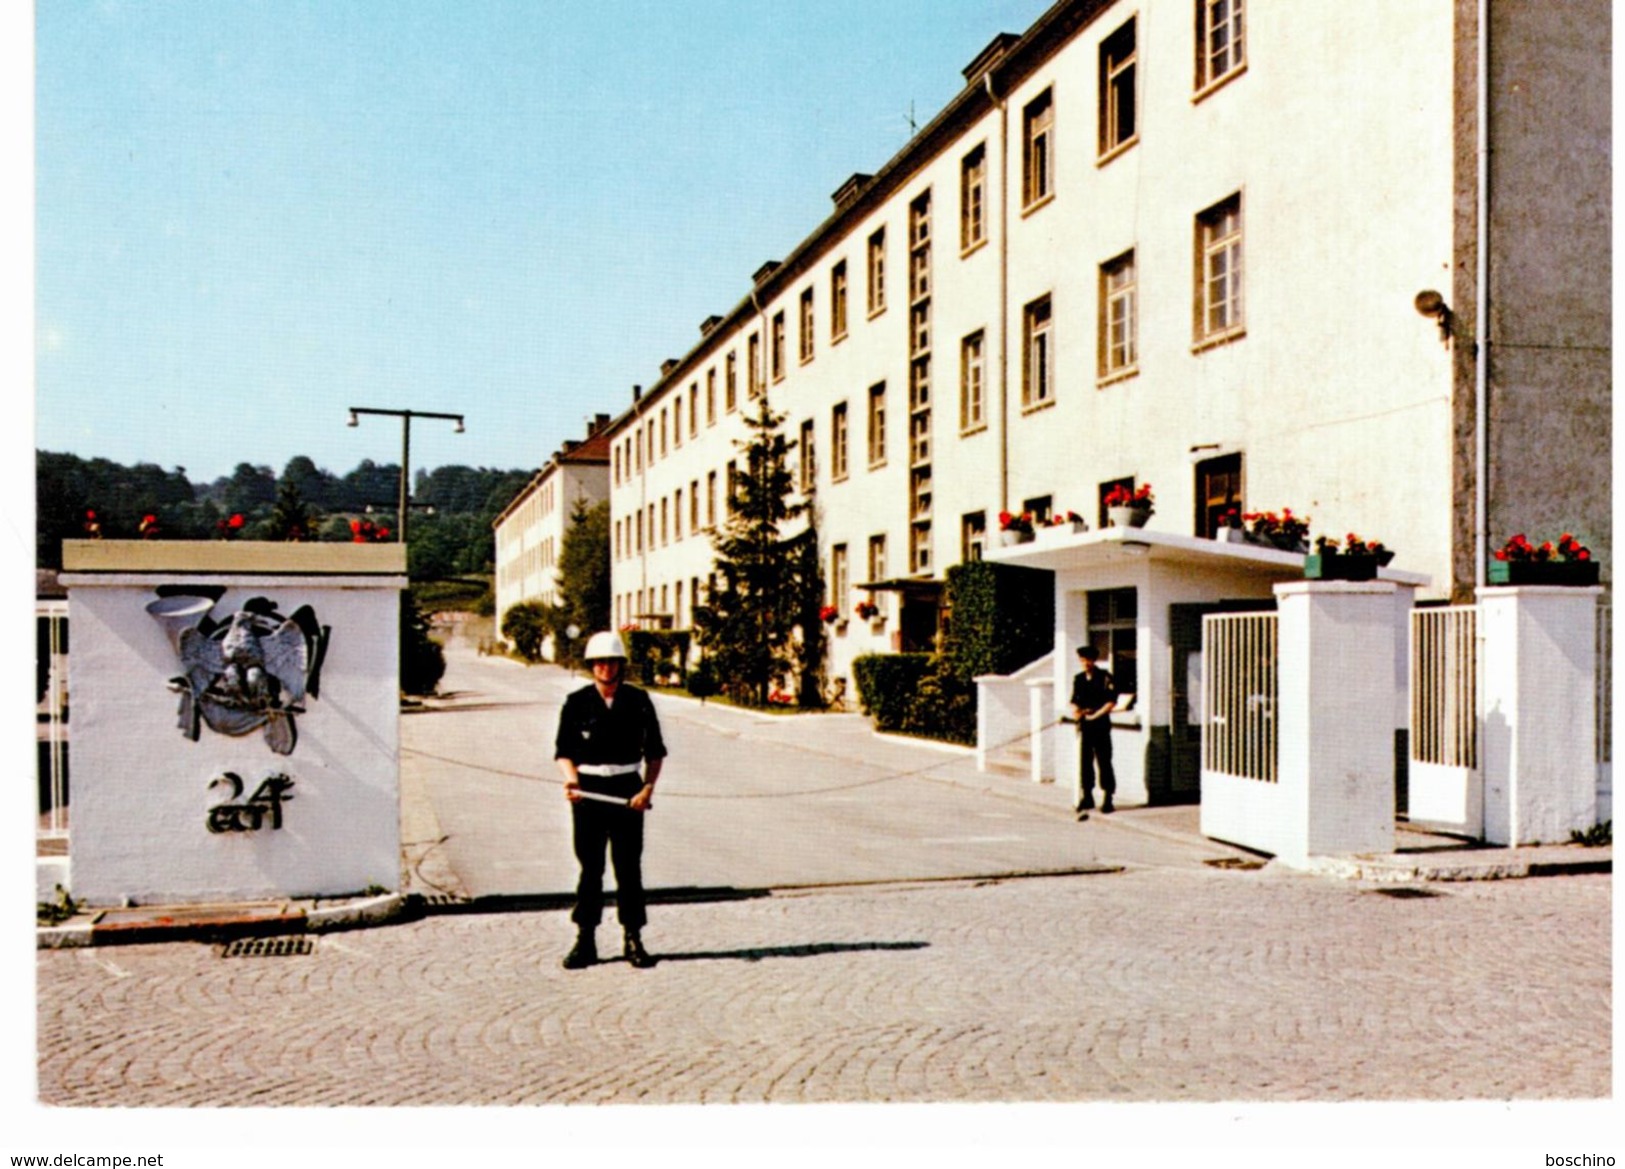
[[1138, 595]]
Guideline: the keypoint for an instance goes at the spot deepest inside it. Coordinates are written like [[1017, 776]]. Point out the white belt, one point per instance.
[[605, 769]]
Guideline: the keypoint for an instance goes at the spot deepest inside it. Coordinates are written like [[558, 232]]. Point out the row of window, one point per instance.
[[1220, 56], [1217, 317]]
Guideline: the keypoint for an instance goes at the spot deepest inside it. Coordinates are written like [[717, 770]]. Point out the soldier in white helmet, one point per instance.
[[609, 744]]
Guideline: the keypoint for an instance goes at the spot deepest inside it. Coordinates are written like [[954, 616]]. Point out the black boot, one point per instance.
[[635, 953], [584, 953]]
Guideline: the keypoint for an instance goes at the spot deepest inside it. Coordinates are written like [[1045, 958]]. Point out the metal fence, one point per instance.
[[1240, 675], [1605, 682], [51, 716], [1444, 686]]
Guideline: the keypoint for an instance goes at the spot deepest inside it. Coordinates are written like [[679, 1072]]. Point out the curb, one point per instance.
[[227, 924], [1392, 870]]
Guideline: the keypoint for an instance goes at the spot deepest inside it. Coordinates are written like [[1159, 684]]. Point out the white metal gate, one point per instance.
[[1605, 710], [1239, 692], [1446, 785], [51, 717]]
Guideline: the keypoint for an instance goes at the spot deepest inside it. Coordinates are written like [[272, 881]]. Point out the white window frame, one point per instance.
[[1119, 317], [1221, 44], [1038, 353], [1220, 307], [877, 425], [1038, 151], [973, 382], [973, 199]]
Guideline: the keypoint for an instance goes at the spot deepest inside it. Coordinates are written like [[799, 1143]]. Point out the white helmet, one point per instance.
[[604, 646]]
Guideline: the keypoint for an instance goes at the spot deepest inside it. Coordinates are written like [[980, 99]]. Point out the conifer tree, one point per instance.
[[748, 625]]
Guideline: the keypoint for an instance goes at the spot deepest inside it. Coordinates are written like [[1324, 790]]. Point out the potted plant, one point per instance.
[[1354, 559], [1065, 522], [866, 610], [829, 614], [1282, 529], [1129, 507], [1230, 530], [1015, 527], [1568, 562]]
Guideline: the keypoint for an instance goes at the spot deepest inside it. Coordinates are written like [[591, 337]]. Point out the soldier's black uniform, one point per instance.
[[602, 738], [1094, 738]]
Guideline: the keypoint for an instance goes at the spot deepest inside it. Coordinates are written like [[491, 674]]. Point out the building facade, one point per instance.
[[1240, 253], [530, 530]]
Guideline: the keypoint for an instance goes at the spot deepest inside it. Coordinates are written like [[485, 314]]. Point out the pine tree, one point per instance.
[[748, 626], [583, 578], [291, 518]]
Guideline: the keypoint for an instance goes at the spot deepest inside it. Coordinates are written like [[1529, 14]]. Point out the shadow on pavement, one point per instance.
[[535, 902], [809, 950]]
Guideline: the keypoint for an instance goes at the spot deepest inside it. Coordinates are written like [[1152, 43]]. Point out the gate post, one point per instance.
[[236, 711], [1336, 717], [1539, 684]]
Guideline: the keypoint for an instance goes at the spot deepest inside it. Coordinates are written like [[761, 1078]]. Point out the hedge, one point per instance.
[[917, 694], [1000, 617]]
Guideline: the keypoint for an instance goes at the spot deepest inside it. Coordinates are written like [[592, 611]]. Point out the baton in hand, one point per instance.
[[601, 798]]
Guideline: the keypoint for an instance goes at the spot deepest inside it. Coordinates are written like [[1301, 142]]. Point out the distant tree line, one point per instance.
[[305, 502]]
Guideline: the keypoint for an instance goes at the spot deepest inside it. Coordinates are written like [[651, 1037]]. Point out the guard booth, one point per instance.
[[235, 720], [1139, 596]]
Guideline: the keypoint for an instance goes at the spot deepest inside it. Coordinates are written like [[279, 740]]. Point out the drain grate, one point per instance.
[[268, 947], [1405, 893], [1233, 862]]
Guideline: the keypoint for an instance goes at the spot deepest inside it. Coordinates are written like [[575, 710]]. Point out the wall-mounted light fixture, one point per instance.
[[1430, 304]]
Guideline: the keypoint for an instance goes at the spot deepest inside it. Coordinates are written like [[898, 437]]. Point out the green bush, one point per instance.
[[648, 650], [917, 694], [526, 625], [886, 685], [1000, 617], [422, 660], [702, 680]]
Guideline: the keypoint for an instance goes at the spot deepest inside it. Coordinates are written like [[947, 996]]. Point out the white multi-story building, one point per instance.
[[1348, 259], [530, 530]]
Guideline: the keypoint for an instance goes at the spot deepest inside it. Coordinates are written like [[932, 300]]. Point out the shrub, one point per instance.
[[702, 681], [886, 685], [526, 625], [1000, 617], [422, 660], [650, 651]]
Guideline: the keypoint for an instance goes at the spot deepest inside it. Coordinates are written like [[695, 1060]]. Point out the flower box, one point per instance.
[[1127, 517], [1332, 565], [1574, 573], [1052, 533], [1008, 537]]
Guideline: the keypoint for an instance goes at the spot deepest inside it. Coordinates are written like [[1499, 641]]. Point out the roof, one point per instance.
[[1060, 550]]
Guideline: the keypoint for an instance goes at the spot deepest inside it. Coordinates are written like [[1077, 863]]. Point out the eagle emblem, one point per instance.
[[253, 670]]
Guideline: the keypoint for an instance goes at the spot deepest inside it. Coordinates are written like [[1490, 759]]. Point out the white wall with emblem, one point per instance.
[[161, 818]]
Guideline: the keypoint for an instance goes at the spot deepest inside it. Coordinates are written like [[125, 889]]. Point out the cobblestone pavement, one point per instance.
[[1144, 985]]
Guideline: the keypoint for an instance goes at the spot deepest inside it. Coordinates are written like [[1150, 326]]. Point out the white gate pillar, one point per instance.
[[1539, 745], [1336, 717]]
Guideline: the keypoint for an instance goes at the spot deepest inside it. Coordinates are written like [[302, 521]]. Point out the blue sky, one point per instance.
[[252, 215]]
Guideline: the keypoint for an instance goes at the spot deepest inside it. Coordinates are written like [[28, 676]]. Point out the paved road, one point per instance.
[[1153, 977], [1149, 984], [747, 800]]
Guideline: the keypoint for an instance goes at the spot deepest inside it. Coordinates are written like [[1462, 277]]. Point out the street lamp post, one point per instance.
[[406, 416]]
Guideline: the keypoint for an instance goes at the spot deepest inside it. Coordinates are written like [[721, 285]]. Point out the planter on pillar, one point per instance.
[[1567, 573], [1539, 709]]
